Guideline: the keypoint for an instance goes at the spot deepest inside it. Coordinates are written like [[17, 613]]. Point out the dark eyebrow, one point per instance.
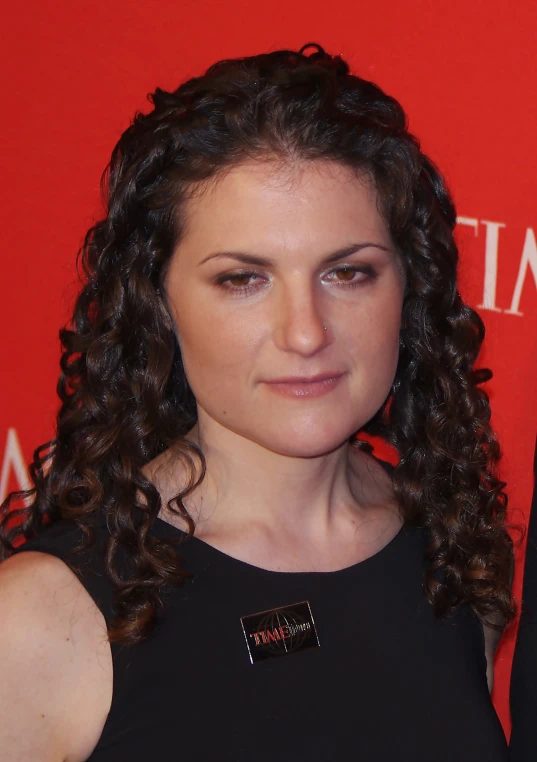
[[251, 259]]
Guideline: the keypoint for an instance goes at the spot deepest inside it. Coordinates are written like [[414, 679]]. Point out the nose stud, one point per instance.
[[325, 328]]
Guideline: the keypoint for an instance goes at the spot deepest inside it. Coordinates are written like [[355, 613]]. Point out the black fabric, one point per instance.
[[523, 692], [389, 681]]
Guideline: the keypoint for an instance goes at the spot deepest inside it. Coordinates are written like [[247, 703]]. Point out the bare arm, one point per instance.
[[51, 643], [492, 638]]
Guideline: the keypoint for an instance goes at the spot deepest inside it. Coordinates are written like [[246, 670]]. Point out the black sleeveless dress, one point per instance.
[[342, 666]]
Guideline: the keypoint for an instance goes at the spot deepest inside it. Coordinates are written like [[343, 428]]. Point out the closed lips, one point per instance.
[[304, 379]]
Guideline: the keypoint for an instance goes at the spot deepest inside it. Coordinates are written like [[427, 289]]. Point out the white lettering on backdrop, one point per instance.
[[528, 261], [13, 461]]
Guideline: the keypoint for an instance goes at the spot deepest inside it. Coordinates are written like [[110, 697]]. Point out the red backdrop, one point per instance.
[[74, 73]]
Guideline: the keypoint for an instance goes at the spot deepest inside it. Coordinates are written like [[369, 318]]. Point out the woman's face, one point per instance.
[[250, 287]]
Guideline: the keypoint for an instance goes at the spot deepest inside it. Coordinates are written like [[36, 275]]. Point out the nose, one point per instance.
[[300, 321]]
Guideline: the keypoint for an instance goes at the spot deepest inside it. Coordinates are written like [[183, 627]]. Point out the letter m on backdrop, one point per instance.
[[14, 473]]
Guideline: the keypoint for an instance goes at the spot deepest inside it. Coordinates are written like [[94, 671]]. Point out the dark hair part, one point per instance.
[[124, 395]]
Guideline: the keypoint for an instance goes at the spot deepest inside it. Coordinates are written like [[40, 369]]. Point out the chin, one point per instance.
[[311, 444]]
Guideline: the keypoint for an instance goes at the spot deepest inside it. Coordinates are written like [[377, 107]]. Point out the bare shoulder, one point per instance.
[[52, 641]]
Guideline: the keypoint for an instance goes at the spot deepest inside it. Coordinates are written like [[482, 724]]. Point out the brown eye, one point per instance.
[[239, 281], [347, 273], [353, 276]]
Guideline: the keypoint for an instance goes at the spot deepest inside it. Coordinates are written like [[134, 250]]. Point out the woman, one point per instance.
[[216, 567]]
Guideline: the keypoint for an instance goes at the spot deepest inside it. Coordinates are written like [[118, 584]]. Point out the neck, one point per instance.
[[248, 487]]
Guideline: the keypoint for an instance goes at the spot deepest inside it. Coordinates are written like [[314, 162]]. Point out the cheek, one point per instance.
[[216, 352], [375, 326], [372, 342]]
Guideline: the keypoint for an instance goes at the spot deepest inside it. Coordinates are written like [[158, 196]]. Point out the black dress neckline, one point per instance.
[[164, 527], [220, 555]]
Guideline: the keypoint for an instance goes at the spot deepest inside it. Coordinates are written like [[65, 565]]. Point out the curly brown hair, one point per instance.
[[124, 394]]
